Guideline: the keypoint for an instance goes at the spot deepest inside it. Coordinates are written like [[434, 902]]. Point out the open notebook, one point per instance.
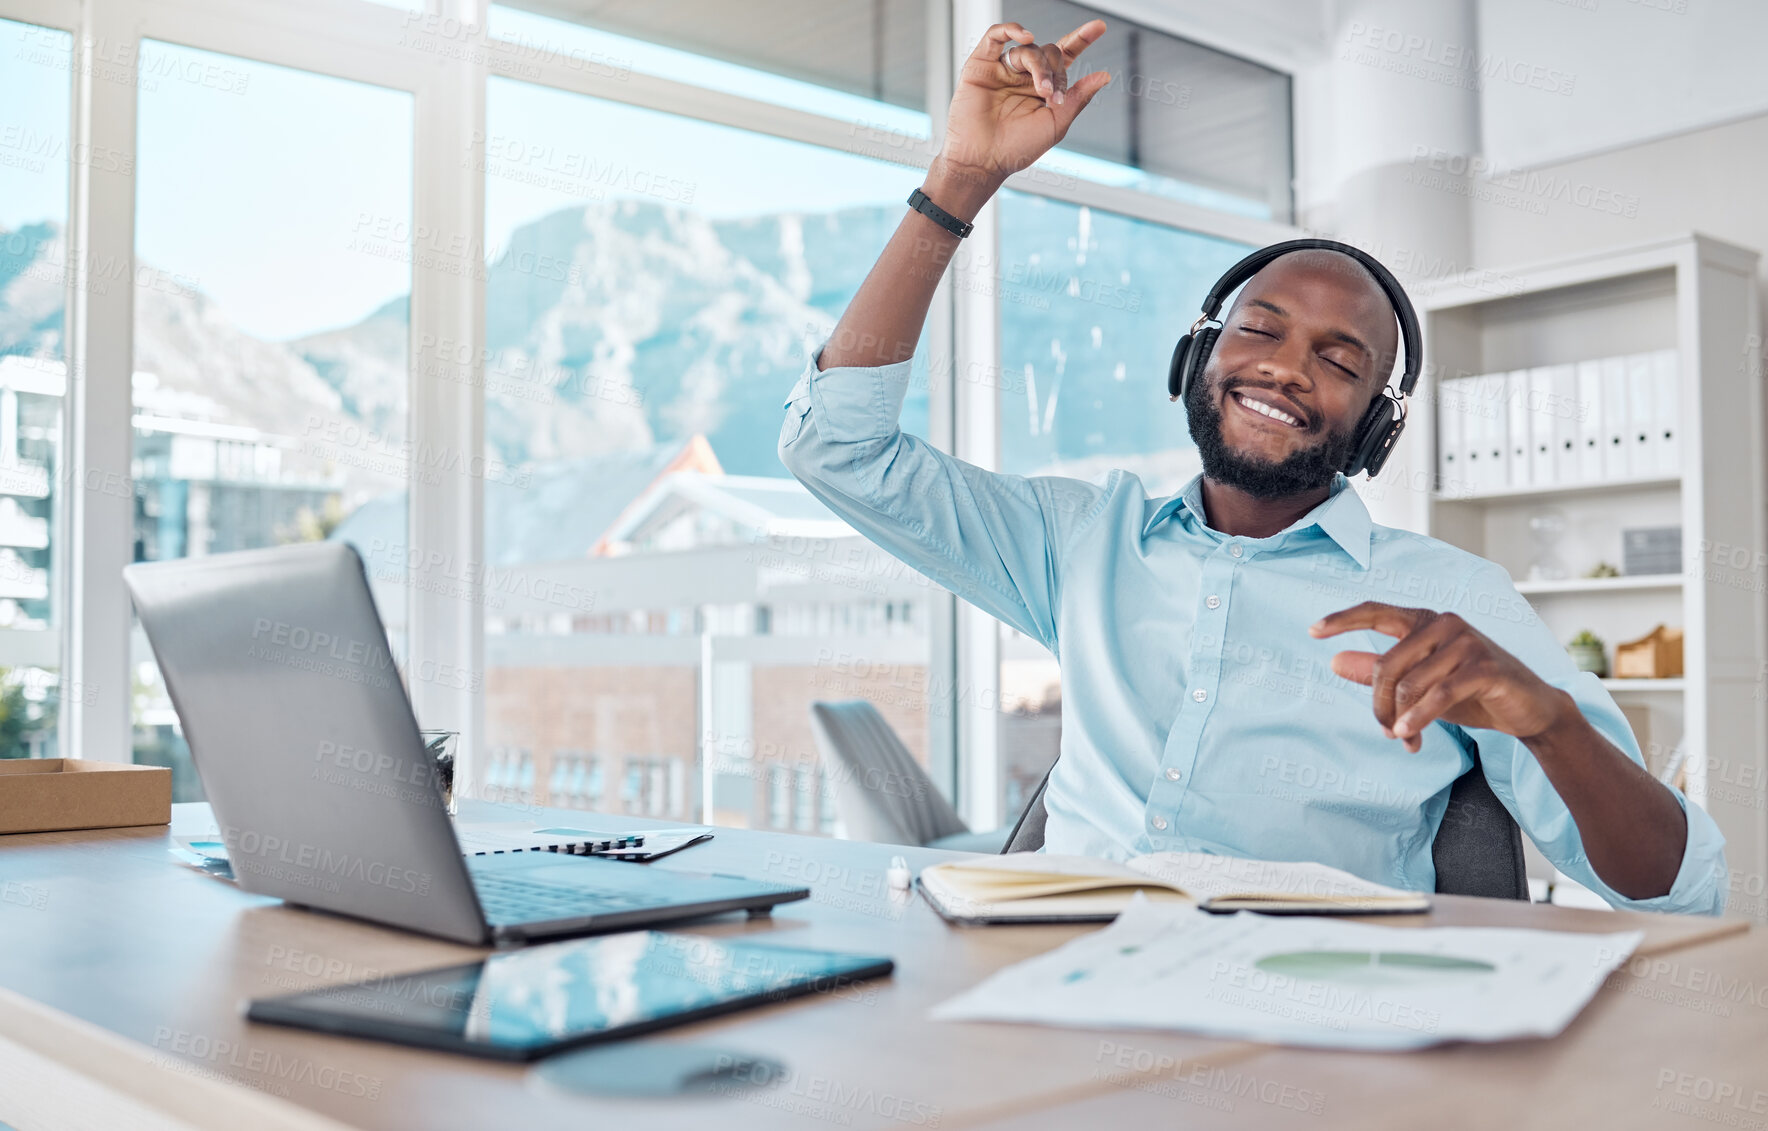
[[1036, 887]]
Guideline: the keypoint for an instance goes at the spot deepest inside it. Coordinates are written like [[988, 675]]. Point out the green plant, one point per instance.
[[1586, 639], [15, 718]]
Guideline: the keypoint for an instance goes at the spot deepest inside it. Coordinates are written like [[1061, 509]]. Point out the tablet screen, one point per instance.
[[523, 1003]]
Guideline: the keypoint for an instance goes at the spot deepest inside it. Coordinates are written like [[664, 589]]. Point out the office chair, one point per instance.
[[881, 793], [1477, 850]]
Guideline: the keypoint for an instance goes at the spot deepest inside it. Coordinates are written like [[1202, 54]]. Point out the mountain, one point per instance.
[[197, 354], [31, 290], [665, 323], [365, 364], [623, 325], [195, 364]]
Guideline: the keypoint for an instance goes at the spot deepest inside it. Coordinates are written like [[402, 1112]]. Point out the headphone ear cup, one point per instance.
[[1175, 373], [1189, 360], [1376, 434]]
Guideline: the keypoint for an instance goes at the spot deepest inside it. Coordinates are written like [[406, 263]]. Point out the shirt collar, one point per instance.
[[1342, 517]]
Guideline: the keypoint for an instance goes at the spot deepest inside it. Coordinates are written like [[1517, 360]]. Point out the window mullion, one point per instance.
[[96, 481], [445, 665], [976, 350]]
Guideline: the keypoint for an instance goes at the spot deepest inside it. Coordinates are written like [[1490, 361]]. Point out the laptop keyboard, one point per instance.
[[507, 899]]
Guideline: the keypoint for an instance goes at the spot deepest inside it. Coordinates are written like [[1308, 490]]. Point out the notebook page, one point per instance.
[[1015, 864], [1026, 875], [1208, 877]]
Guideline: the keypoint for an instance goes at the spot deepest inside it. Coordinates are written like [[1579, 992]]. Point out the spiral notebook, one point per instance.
[[208, 854], [493, 839]]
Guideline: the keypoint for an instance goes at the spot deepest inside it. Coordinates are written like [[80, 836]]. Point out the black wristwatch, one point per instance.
[[920, 203]]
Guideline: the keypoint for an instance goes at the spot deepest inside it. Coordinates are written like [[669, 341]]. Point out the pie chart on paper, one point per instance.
[[1373, 967]]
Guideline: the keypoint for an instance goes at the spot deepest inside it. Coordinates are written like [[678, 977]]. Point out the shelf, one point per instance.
[[1599, 584], [1564, 490], [1667, 685], [1699, 297]]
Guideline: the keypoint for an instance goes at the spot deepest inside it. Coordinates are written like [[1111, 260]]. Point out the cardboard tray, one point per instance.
[[50, 794]]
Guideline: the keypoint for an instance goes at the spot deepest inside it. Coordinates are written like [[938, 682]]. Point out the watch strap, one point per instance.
[[921, 203]]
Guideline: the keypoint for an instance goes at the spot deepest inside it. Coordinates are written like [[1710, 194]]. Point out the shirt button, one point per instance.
[[1213, 602], [1236, 549], [1158, 822], [1200, 695], [1173, 774]]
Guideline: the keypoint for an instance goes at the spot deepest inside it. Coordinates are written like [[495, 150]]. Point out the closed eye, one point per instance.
[[1345, 369], [1259, 332]]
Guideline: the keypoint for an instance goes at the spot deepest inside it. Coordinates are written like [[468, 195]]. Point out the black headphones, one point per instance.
[[1381, 426]]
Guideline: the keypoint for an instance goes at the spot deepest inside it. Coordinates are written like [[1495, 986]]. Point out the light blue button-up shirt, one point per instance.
[[1197, 712]]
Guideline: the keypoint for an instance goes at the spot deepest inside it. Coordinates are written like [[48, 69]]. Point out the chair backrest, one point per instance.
[[1028, 831], [881, 793], [1477, 850]]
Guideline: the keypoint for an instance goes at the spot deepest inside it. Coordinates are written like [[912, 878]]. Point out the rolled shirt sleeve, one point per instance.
[[1522, 785], [993, 539]]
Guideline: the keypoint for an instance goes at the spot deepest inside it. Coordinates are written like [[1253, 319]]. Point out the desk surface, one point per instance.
[[102, 926]]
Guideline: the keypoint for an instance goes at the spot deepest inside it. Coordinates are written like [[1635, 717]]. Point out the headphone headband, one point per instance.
[[1396, 294]]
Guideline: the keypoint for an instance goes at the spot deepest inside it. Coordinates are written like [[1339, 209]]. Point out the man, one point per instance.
[[1205, 704]]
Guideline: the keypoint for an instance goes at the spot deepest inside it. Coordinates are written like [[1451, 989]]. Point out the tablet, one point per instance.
[[526, 1004]]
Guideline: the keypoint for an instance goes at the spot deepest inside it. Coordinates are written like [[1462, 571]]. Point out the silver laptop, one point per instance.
[[277, 663]]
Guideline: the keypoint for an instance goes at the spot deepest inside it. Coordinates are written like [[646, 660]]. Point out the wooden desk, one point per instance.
[[122, 977], [1675, 1041]]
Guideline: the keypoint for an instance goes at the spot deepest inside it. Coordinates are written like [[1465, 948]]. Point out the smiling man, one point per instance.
[[1209, 701]]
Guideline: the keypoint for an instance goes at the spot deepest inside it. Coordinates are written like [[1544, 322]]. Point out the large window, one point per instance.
[[273, 229], [862, 61], [678, 201], [1091, 306], [1179, 119], [665, 603], [35, 154]]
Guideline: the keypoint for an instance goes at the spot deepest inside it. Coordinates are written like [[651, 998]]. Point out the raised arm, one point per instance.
[[1002, 119], [995, 540]]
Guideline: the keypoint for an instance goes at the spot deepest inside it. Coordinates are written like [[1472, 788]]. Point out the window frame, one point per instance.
[[50, 648], [359, 40]]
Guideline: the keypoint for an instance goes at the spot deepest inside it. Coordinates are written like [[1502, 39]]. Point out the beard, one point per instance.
[[1304, 470]]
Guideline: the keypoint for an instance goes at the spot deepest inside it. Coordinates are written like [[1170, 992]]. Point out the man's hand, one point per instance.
[[1002, 119], [1443, 668], [1633, 830]]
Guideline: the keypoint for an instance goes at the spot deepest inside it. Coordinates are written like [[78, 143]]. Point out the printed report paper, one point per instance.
[[1318, 982]]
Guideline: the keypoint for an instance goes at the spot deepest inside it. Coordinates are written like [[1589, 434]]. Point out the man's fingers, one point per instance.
[[1417, 682], [1389, 620], [1081, 38], [995, 40], [1401, 664], [1037, 68], [1358, 667], [1079, 95], [1058, 71], [1442, 698]]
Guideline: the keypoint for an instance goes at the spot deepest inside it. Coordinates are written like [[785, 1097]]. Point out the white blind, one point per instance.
[[1177, 109], [873, 48]]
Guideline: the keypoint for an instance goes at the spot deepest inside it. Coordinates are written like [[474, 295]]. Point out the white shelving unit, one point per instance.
[[1698, 296], [1599, 584], [1631, 686]]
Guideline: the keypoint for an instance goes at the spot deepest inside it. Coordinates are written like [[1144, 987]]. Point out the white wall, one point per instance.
[[1711, 181], [1650, 143], [1662, 127], [1628, 71]]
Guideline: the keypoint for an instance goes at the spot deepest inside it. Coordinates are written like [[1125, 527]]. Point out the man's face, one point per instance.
[[1304, 349]]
